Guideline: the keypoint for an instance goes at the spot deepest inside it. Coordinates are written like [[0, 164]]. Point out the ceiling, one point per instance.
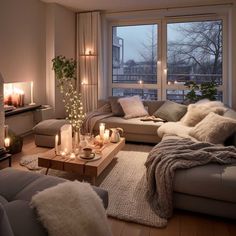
[[125, 5]]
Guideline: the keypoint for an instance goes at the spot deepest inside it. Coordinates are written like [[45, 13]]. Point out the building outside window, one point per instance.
[[156, 60]]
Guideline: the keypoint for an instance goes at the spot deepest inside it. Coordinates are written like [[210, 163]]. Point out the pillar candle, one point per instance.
[[56, 144], [7, 142], [101, 130], [66, 138], [106, 135]]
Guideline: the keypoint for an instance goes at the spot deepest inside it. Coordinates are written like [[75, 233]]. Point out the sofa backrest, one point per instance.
[[152, 105]]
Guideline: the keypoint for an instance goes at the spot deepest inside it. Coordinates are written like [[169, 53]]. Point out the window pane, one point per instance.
[[134, 54], [179, 95], [146, 94], [194, 52]]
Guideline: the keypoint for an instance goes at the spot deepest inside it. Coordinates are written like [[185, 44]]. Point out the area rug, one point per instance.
[[125, 181], [30, 162], [126, 185]]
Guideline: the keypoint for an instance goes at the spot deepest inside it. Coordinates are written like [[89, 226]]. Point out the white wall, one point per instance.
[[22, 43], [60, 41]]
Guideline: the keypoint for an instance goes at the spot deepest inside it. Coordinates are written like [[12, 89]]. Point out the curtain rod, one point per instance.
[[170, 8]]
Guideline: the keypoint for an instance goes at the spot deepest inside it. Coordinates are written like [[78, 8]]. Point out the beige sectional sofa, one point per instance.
[[209, 189], [134, 129]]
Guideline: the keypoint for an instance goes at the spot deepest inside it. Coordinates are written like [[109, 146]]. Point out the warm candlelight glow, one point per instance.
[[56, 144], [106, 136], [66, 138], [7, 142], [72, 155], [101, 130], [32, 93]]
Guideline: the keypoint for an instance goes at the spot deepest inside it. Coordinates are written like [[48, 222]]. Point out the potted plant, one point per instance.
[[65, 73]]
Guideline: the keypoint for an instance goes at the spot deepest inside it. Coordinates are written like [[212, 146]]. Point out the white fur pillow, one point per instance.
[[197, 112], [132, 107], [214, 129], [71, 208]]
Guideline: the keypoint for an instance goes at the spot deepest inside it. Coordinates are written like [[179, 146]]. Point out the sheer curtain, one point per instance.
[[89, 58]]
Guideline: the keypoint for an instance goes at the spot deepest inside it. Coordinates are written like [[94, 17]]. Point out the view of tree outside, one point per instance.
[[194, 53], [134, 58]]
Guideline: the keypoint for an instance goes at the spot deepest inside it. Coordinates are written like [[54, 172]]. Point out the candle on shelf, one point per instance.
[[56, 144], [62, 153], [66, 138], [32, 93], [101, 130], [106, 136], [7, 142]]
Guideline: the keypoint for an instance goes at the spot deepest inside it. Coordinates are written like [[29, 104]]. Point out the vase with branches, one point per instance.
[[65, 73]]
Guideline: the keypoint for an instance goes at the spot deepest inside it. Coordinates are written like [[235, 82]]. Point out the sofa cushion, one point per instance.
[[23, 219], [214, 129], [49, 127], [197, 112], [171, 111], [18, 180], [5, 227], [133, 125], [116, 107], [133, 107], [210, 181]]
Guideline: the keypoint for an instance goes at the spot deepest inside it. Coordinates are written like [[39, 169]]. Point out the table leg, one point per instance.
[[93, 180], [47, 171], [9, 161]]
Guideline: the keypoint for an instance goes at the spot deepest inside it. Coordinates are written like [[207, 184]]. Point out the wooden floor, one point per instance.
[[182, 223]]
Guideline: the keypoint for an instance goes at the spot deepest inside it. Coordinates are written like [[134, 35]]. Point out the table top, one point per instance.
[[51, 160]]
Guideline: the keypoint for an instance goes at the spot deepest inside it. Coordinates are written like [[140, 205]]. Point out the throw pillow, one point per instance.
[[116, 107], [171, 111], [132, 107], [196, 113], [214, 129]]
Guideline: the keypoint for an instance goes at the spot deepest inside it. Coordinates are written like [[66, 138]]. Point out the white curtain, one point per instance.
[[89, 58]]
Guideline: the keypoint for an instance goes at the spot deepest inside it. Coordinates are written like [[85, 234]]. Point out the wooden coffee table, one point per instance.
[[84, 168]]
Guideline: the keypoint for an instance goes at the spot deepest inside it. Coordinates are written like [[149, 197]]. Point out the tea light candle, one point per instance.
[[72, 155], [62, 153], [56, 144], [7, 142], [106, 135], [101, 130]]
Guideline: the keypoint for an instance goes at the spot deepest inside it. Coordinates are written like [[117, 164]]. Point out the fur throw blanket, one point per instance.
[[71, 209], [171, 155], [175, 128], [93, 117]]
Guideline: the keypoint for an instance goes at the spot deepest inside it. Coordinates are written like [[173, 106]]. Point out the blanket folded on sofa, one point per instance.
[[70, 209], [171, 155], [93, 117]]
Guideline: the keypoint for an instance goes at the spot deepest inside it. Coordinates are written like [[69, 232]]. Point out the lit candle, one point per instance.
[[76, 139], [66, 138], [32, 93], [7, 142], [106, 135], [56, 144], [72, 155], [62, 153], [101, 130]]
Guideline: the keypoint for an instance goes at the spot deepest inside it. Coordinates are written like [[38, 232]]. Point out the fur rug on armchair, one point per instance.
[[71, 209]]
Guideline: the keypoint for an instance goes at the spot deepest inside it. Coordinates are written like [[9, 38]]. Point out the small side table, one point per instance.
[[5, 157]]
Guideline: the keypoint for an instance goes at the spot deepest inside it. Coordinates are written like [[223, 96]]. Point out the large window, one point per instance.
[[190, 51], [134, 60]]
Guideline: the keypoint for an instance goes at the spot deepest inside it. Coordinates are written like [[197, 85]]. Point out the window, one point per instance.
[[134, 60], [190, 51]]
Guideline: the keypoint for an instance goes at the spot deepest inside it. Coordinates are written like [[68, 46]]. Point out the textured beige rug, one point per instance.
[[126, 184], [125, 181]]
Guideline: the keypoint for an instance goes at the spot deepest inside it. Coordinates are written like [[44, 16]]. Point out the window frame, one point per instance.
[[162, 22]]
